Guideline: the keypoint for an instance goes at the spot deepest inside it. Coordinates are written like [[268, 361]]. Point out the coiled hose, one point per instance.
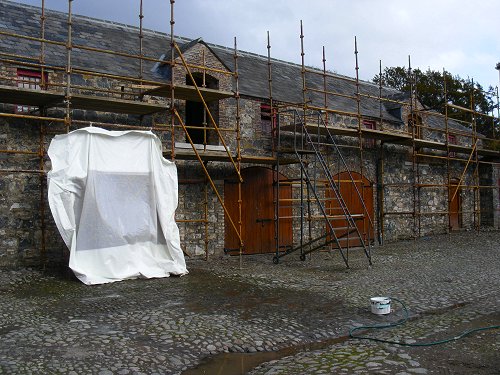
[[404, 320]]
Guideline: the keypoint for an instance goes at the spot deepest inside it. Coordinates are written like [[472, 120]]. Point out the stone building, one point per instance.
[[326, 161]]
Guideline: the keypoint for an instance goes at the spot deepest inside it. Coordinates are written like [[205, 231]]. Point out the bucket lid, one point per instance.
[[380, 299]]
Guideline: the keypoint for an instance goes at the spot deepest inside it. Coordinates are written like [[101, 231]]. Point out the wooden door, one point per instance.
[[257, 208], [349, 237], [455, 206]]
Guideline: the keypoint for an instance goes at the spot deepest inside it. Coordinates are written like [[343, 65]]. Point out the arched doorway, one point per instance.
[[348, 237], [257, 209], [455, 205]]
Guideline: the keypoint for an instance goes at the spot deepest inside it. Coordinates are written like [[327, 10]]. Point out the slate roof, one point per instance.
[[25, 20], [253, 69], [287, 84]]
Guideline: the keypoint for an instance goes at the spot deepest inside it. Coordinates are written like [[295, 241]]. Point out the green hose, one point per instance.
[[404, 320]]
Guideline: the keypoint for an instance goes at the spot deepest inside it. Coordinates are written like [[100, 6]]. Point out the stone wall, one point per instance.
[[431, 198], [21, 206], [496, 196], [192, 189], [489, 193]]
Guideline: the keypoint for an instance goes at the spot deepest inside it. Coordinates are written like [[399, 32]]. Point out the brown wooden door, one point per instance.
[[455, 206], [349, 237], [257, 209]]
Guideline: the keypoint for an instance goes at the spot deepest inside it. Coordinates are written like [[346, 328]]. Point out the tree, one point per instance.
[[429, 88]]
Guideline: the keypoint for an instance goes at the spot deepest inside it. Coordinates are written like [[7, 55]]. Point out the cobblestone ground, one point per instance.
[[290, 318]]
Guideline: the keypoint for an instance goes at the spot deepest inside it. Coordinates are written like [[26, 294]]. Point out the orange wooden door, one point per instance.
[[257, 208], [455, 206], [349, 237]]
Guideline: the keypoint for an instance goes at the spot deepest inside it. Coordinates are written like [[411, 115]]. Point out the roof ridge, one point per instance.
[[95, 20]]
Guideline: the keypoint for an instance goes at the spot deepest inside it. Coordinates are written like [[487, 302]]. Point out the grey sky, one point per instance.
[[461, 36]]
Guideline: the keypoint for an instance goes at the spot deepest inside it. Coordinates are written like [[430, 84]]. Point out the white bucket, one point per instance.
[[380, 305]]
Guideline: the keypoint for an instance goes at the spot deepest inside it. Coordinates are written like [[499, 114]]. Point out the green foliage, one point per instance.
[[429, 87]]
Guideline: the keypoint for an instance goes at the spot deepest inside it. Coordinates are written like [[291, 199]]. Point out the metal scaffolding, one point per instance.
[[295, 128], [306, 134], [313, 145], [129, 100]]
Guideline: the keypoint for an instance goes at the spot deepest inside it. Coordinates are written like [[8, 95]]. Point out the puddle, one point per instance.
[[250, 301], [242, 363], [232, 363]]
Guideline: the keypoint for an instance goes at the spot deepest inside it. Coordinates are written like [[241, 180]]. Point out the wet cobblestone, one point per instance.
[[52, 325]]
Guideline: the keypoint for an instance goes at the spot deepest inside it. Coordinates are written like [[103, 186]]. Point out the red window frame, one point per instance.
[[29, 73], [30, 79]]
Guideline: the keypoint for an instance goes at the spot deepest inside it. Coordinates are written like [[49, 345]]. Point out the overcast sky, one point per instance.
[[461, 36]]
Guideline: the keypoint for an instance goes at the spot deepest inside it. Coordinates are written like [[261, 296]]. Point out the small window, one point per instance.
[[267, 118], [452, 140], [415, 126], [30, 79], [369, 142]]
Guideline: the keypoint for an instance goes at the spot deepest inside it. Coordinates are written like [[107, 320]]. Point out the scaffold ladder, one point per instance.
[[308, 149]]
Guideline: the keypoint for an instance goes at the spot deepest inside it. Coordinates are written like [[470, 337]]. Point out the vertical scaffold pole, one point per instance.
[[380, 175], [204, 84], [325, 95], [41, 149], [412, 118], [68, 69], [418, 134], [498, 114], [327, 123], [381, 114], [304, 109], [475, 191], [141, 37], [276, 167], [366, 231], [42, 45], [141, 54], [238, 149], [448, 171], [172, 80]]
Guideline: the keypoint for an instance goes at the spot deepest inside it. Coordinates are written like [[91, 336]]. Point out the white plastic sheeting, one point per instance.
[[113, 197]]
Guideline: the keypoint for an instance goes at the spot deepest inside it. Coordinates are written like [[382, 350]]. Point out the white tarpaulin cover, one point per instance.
[[113, 197]]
